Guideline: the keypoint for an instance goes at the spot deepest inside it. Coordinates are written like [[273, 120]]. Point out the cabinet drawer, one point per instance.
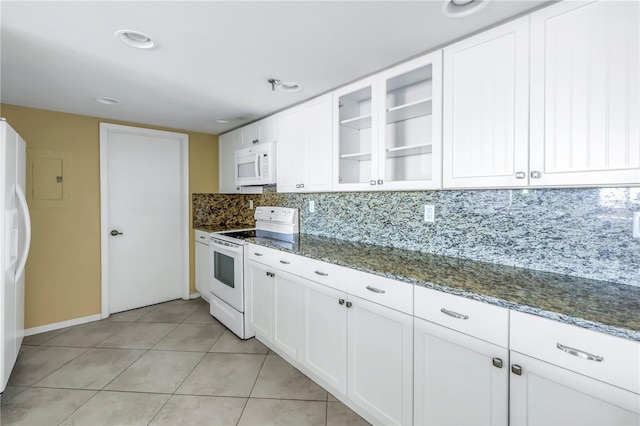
[[569, 347], [201, 236], [289, 262], [477, 319], [331, 275], [387, 292], [262, 254]]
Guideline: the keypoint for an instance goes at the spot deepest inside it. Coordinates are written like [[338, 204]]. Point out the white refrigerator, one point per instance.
[[15, 232]]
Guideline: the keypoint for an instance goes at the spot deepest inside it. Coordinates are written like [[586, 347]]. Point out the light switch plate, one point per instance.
[[636, 224], [429, 213], [250, 204], [312, 206]]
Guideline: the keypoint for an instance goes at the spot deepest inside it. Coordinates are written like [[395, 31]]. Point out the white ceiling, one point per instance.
[[214, 57]]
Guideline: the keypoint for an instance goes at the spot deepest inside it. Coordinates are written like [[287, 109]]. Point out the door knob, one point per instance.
[[115, 232]]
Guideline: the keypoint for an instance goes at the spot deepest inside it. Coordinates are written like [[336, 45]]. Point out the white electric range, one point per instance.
[[229, 259]]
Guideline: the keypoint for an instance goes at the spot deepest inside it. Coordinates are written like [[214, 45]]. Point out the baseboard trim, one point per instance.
[[62, 324]]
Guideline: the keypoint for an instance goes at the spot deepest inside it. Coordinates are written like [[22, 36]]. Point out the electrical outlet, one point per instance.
[[250, 204], [312, 206], [636, 224], [429, 213]]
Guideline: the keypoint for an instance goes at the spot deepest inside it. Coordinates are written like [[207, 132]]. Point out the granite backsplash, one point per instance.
[[580, 232]]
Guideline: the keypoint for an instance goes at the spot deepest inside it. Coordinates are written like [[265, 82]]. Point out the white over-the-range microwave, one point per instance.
[[256, 165]]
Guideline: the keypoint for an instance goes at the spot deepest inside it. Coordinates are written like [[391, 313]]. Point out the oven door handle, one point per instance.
[[236, 249]]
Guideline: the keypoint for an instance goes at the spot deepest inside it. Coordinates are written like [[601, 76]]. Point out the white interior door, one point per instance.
[[144, 197]]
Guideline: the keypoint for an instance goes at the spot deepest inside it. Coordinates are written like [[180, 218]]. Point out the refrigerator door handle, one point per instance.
[[22, 201]]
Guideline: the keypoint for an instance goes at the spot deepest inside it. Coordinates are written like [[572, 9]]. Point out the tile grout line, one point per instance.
[[252, 387]]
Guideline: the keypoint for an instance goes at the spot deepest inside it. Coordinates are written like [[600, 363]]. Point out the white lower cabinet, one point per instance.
[[458, 379], [324, 334], [287, 298], [380, 361], [261, 290], [545, 394], [203, 271]]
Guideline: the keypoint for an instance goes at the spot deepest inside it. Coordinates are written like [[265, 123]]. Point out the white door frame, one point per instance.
[[105, 129]]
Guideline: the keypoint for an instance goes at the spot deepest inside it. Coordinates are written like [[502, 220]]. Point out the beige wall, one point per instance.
[[63, 270]]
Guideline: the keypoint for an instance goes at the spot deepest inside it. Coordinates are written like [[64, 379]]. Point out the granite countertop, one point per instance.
[[598, 305]]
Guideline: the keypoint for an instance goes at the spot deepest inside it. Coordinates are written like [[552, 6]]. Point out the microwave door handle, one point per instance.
[[257, 165]]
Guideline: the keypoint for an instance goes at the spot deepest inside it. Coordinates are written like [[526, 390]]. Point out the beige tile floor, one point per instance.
[[167, 364]]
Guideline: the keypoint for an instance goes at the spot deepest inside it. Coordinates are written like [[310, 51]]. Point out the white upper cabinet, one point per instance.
[[409, 130], [387, 129], [263, 131], [355, 141], [227, 146], [486, 115], [585, 94], [305, 148]]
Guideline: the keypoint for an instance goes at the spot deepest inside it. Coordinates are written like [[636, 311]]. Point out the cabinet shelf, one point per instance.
[[361, 122], [357, 156], [403, 151], [409, 110]]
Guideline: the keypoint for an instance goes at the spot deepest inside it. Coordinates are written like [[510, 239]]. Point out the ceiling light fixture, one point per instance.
[[222, 120], [136, 39], [462, 8], [289, 87], [107, 101]]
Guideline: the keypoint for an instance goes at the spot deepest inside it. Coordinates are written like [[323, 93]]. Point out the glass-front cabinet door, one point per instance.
[[388, 129], [355, 136], [410, 129]]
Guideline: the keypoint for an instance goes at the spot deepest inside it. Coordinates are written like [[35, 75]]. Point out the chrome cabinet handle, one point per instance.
[[297, 185], [284, 262], [579, 353], [536, 175], [520, 175], [257, 254], [322, 274], [516, 369], [349, 304], [380, 181], [341, 302], [372, 182], [497, 362], [375, 290], [302, 185], [271, 274], [454, 314]]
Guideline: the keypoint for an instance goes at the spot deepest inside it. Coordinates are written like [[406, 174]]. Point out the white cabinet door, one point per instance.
[[250, 134], [324, 334], [203, 277], [355, 137], [585, 94], [261, 300], [287, 301], [317, 162], [227, 146], [486, 109], [458, 379], [268, 129], [410, 126], [291, 150], [544, 394], [380, 361]]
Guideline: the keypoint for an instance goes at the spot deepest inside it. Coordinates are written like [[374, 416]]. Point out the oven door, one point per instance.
[[227, 270]]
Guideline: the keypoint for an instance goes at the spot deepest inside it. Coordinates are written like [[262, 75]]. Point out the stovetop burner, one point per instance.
[[241, 235]]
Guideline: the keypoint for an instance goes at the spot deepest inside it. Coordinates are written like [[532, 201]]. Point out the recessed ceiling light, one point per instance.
[[222, 120], [289, 87], [136, 39], [107, 101], [462, 8]]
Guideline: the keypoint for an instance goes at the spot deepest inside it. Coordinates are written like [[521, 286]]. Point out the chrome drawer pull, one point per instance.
[[258, 254], [375, 290], [284, 262], [454, 314], [579, 353], [323, 274]]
